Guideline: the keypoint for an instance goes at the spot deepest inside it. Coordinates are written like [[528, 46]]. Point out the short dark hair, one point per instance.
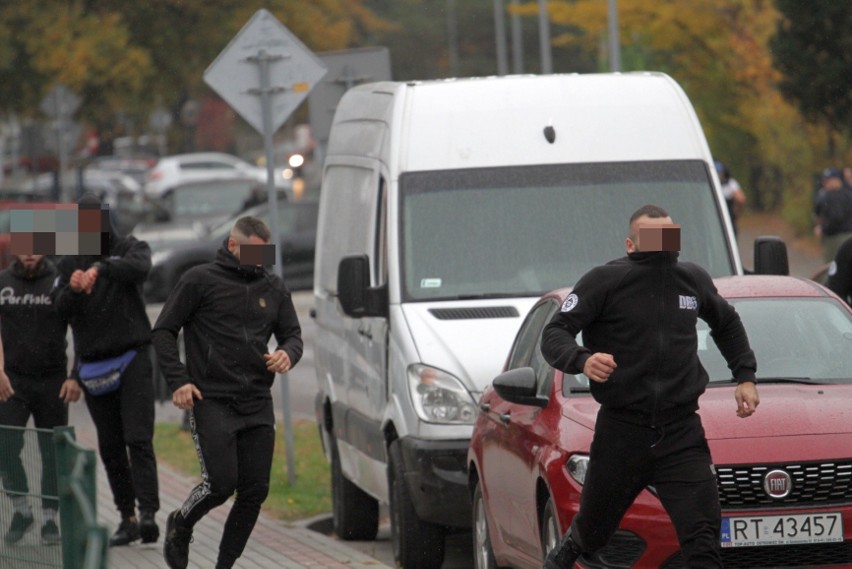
[[652, 211], [249, 226]]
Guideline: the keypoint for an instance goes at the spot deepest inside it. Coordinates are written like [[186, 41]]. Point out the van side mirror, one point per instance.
[[770, 256], [356, 296], [519, 386]]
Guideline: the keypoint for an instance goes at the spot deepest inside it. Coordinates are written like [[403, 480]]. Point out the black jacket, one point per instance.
[[229, 313], [643, 309], [32, 330], [840, 271], [112, 319]]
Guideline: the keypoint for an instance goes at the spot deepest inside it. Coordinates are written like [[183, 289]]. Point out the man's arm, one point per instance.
[[288, 334], [177, 310], [132, 267], [6, 391]]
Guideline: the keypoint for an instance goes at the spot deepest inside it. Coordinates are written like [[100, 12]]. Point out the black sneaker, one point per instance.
[[148, 529], [50, 533], [19, 526], [176, 543], [128, 531]]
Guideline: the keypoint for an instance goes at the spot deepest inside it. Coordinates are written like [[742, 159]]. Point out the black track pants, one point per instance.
[[235, 454], [125, 423], [675, 459], [37, 397]]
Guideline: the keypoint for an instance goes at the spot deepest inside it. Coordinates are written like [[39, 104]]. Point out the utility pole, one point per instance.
[[544, 37], [517, 41], [453, 38], [614, 40], [500, 35]]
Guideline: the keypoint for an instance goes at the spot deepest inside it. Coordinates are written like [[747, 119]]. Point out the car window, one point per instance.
[[206, 200], [529, 336], [543, 370], [791, 337]]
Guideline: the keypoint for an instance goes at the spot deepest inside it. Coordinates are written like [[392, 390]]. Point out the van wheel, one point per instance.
[[550, 535], [416, 544], [356, 513], [483, 554]]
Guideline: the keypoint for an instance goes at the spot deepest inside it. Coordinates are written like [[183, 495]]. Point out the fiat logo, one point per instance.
[[777, 484]]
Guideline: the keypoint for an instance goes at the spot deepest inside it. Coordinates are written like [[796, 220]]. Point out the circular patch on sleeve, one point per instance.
[[832, 269], [570, 302]]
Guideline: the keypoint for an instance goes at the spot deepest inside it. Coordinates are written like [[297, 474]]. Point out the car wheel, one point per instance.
[[355, 513], [483, 554], [550, 534], [416, 544]]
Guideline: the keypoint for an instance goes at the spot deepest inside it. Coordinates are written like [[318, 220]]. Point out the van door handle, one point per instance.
[[505, 417], [366, 332]]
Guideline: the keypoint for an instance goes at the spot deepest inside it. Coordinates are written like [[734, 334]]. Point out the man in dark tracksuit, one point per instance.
[[638, 316], [229, 309], [33, 382], [840, 272], [101, 297]]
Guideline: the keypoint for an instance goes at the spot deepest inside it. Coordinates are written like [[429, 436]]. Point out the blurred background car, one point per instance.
[[297, 226], [784, 475], [173, 170], [136, 167]]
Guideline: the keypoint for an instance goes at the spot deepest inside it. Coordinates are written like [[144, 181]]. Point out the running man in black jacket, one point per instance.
[[33, 382], [229, 310], [638, 317], [101, 296]]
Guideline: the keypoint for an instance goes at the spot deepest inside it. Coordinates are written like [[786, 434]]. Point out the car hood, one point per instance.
[[471, 348], [785, 410]]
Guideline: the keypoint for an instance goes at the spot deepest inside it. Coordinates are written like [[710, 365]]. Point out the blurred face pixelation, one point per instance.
[[59, 229], [653, 234], [251, 251]]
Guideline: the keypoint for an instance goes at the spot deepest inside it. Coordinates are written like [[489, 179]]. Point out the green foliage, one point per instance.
[[311, 494], [813, 50]]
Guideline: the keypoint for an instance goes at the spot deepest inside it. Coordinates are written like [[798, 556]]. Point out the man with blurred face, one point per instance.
[[638, 317], [33, 382], [229, 310]]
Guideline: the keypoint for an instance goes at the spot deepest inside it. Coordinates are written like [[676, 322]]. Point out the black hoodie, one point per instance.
[[112, 319], [33, 332], [228, 312], [643, 309]]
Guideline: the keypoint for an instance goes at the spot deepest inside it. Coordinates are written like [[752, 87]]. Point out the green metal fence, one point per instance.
[[47, 470]]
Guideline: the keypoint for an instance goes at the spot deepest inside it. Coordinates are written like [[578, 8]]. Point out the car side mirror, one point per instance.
[[519, 386], [357, 298], [770, 256]]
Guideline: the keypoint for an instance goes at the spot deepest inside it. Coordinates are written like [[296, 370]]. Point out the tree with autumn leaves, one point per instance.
[[751, 67]]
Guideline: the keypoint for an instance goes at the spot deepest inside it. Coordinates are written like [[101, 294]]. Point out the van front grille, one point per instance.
[[477, 313]]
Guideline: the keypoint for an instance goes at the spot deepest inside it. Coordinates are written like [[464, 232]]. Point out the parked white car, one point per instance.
[[176, 169]]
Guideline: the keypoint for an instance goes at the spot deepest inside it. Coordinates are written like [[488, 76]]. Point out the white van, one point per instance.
[[447, 208]]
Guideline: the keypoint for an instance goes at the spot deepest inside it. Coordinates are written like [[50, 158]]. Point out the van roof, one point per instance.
[[489, 121]]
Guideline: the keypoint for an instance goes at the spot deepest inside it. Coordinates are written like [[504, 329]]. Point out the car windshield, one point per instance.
[[793, 339], [521, 231], [207, 200], [289, 219]]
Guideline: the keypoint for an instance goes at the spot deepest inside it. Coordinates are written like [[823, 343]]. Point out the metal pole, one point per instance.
[[517, 41], [500, 37], [263, 59], [544, 37], [614, 40], [453, 38]]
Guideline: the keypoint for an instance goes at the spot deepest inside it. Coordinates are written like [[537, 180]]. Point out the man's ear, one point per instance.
[[629, 245], [232, 244]]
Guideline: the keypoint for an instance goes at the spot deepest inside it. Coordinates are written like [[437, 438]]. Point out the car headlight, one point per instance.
[[440, 397], [577, 466]]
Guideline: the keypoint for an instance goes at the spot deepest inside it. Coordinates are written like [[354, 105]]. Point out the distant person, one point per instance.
[[832, 213], [33, 383], [840, 272], [734, 195], [100, 295], [229, 310]]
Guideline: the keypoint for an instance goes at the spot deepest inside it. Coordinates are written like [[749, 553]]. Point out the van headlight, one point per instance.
[[440, 397], [577, 466]]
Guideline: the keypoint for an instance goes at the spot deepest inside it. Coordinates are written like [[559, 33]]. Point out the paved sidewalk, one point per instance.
[[273, 543]]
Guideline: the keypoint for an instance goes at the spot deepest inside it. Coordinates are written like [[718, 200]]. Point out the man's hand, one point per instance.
[[70, 390], [77, 281], [278, 361], [90, 276], [6, 391], [185, 395], [599, 367], [747, 399]]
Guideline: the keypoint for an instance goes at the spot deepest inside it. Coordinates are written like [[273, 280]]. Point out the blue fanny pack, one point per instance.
[[104, 376]]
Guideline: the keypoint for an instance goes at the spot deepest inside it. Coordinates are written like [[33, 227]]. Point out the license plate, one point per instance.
[[782, 530]]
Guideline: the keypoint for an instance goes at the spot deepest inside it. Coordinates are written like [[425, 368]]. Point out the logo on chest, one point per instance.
[[687, 302]]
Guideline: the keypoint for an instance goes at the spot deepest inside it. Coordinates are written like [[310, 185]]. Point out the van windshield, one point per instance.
[[522, 231]]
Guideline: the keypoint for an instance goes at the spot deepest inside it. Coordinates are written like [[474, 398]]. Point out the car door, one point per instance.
[[513, 479]]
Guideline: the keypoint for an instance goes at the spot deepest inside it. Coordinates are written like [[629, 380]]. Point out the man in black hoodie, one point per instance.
[[33, 382], [638, 317], [229, 310], [101, 296]]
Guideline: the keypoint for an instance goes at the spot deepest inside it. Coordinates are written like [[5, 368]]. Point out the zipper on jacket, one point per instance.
[[661, 343], [245, 332]]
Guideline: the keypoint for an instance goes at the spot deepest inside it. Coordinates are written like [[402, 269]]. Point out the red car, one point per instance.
[[784, 474]]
